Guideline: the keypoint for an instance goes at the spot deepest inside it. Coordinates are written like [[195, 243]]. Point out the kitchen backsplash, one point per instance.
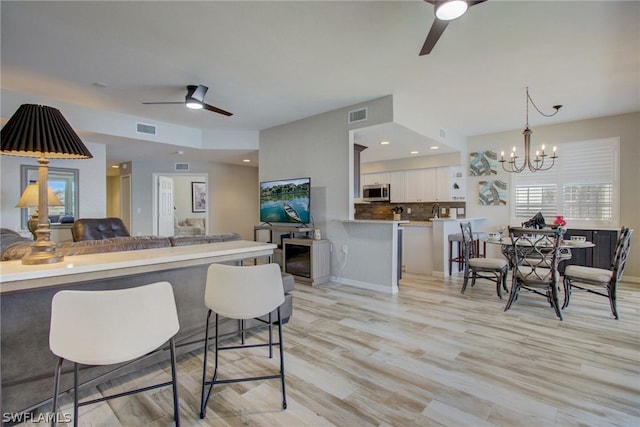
[[420, 211]]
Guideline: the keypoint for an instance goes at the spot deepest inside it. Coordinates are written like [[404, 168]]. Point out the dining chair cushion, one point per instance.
[[589, 273], [491, 263]]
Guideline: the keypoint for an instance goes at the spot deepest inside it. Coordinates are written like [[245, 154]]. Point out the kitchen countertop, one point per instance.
[[375, 221]]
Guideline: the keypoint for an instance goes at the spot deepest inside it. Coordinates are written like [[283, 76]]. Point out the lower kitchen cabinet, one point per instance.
[[600, 256], [417, 249]]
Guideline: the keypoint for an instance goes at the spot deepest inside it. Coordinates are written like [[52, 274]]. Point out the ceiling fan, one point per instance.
[[446, 11], [195, 100]]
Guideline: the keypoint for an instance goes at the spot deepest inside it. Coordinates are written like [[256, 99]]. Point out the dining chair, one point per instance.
[[113, 327], [600, 281], [536, 254], [494, 269], [242, 293]]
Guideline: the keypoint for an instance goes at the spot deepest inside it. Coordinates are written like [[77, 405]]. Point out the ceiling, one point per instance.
[[271, 63]]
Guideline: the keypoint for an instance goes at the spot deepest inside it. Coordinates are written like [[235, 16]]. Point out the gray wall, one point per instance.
[[319, 147], [625, 126]]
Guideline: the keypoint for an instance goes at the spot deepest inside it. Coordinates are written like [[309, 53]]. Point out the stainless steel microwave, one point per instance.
[[376, 193]]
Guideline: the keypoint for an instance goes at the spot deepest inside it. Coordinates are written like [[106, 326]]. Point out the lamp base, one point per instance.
[[43, 251]]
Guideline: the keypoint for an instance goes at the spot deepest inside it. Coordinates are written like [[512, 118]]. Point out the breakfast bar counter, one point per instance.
[[27, 364]]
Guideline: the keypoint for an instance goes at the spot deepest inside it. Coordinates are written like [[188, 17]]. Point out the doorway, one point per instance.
[[181, 207]]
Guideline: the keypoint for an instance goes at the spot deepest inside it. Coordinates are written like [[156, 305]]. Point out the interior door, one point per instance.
[[165, 206]]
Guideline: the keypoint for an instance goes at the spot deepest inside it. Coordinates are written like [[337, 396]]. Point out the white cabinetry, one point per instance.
[[396, 180], [420, 185], [375, 178], [443, 184]]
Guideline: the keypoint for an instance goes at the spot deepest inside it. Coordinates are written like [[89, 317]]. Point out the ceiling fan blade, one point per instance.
[[167, 102], [216, 110], [434, 35]]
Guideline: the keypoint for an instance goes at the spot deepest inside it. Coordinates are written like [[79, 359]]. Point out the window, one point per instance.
[[63, 182], [582, 186]]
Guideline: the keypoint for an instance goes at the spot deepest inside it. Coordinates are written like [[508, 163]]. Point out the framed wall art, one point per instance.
[[198, 196], [483, 163], [492, 192]]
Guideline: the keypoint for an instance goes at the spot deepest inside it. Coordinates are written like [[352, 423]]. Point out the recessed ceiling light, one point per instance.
[[414, 152], [115, 166], [384, 143], [246, 160], [435, 147], [180, 153]]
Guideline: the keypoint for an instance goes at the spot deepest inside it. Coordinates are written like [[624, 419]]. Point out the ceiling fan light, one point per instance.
[[194, 105], [452, 9]]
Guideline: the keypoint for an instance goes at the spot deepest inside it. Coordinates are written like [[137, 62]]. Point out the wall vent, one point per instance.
[[356, 116], [182, 167], [145, 128]]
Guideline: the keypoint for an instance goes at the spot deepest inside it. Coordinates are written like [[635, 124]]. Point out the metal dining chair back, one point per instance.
[[536, 254], [494, 269], [597, 280]]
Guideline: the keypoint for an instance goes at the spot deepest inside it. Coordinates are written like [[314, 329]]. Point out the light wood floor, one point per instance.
[[428, 356]]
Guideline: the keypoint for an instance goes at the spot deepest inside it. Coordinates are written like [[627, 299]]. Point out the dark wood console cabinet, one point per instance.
[[600, 256]]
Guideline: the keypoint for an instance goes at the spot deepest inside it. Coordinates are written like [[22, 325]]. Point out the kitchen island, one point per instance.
[[27, 364]]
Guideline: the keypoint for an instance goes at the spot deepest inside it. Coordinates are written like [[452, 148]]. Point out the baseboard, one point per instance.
[[631, 279], [365, 285]]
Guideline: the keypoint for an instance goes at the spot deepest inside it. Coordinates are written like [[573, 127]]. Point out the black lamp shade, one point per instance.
[[41, 131]]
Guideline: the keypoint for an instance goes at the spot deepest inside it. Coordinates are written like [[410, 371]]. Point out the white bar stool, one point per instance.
[[110, 327], [242, 293]]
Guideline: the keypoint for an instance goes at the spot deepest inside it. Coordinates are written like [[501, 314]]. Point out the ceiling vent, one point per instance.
[[356, 116], [443, 134], [145, 128], [182, 167]]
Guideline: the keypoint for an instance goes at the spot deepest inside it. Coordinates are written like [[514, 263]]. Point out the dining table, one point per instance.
[[565, 247]]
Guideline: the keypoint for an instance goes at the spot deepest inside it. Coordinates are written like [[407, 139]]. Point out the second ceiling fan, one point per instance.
[[446, 11], [195, 100]]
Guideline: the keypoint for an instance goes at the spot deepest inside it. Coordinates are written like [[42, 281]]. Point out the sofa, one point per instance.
[[189, 227], [14, 246], [25, 315]]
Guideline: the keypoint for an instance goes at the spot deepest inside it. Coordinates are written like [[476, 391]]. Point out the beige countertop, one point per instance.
[[16, 276]]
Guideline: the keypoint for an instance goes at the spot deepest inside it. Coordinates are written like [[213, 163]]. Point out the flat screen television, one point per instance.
[[285, 201]]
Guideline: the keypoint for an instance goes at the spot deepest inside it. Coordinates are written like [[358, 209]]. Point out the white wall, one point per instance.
[[625, 126], [92, 186]]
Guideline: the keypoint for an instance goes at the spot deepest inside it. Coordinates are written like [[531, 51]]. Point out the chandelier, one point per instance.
[[536, 163]]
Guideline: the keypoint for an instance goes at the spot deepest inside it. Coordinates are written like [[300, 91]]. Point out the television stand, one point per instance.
[[307, 259], [281, 232], [284, 229]]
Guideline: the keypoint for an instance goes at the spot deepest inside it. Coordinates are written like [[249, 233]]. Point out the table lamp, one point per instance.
[[29, 199], [42, 132]]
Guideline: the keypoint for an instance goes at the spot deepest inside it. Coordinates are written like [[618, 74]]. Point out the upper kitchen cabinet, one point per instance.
[[375, 178], [443, 184], [398, 193], [420, 185]]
